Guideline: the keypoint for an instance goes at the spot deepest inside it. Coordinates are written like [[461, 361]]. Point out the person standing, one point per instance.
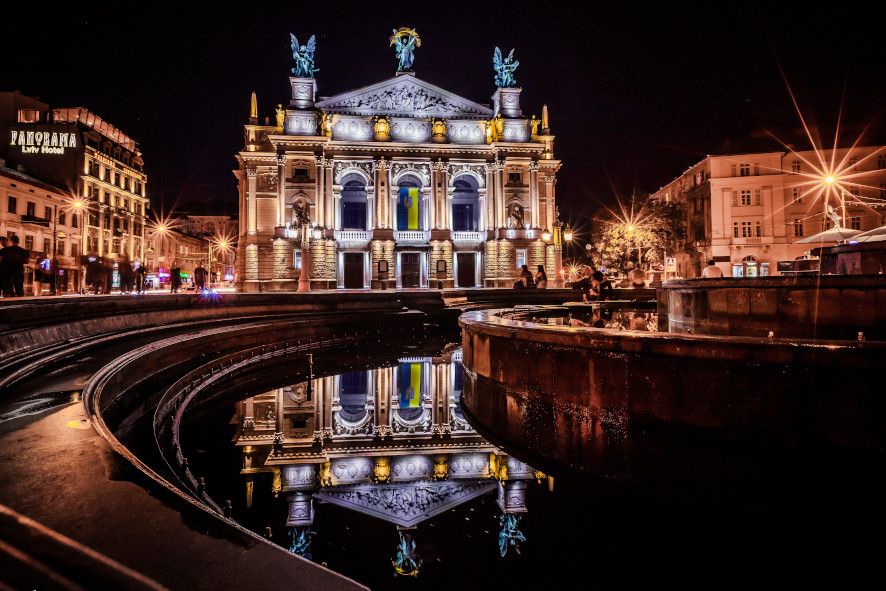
[[14, 258], [712, 271], [140, 275], [125, 270], [200, 278], [5, 286], [42, 274], [541, 278], [175, 278]]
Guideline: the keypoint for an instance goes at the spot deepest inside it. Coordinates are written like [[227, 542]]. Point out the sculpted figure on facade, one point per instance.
[[281, 115], [304, 57], [405, 40], [504, 69]]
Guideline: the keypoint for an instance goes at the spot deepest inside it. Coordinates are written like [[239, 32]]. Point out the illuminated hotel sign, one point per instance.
[[42, 142]]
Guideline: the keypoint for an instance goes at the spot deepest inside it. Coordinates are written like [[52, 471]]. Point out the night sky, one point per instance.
[[636, 94]]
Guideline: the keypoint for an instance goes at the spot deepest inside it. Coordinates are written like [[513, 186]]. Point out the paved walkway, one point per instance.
[[58, 471]]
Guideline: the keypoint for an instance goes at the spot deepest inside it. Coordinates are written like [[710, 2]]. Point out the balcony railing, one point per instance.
[[353, 235], [466, 236], [411, 236]]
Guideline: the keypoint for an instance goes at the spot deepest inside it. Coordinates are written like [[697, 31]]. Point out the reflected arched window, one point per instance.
[[458, 386], [465, 205], [353, 389], [353, 203], [409, 204]]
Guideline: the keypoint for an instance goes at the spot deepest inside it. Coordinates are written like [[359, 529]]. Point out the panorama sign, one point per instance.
[[42, 142]]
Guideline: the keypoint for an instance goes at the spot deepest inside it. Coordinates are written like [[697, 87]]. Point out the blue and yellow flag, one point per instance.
[[407, 208], [410, 385]]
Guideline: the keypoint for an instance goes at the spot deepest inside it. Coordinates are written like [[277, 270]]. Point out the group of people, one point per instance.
[[527, 281], [13, 259], [593, 285]]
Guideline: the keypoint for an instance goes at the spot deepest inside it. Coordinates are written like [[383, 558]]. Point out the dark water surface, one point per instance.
[[707, 515]]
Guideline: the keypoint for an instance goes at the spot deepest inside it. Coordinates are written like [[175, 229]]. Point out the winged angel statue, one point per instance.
[[405, 41], [504, 69], [304, 57]]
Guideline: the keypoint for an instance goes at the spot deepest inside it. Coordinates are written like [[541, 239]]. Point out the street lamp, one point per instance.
[[546, 235], [567, 234]]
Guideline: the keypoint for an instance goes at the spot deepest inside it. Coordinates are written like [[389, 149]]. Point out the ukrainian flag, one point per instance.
[[410, 385], [407, 208]]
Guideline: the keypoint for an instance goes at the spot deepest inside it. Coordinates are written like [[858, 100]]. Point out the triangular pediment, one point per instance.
[[406, 504], [404, 96]]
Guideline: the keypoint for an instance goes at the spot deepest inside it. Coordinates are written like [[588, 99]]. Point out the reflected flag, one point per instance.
[[410, 385], [407, 208]]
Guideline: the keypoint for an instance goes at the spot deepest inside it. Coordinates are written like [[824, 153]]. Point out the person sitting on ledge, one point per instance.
[[637, 277], [712, 271]]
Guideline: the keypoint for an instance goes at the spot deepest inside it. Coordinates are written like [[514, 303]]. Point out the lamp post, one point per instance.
[[304, 280]]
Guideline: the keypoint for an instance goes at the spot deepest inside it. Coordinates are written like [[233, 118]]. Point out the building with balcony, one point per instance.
[[748, 211], [94, 164], [400, 183], [27, 206]]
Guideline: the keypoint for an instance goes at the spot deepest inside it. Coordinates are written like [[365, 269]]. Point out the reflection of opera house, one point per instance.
[[400, 181], [389, 442]]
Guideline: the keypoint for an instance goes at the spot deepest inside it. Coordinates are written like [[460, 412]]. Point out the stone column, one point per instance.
[[499, 195], [535, 217], [489, 212], [336, 209], [250, 196], [378, 175], [327, 188], [426, 206], [281, 189], [445, 197], [319, 192], [370, 207], [434, 213]]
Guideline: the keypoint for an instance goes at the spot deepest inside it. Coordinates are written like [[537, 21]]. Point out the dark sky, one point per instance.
[[635, 94]]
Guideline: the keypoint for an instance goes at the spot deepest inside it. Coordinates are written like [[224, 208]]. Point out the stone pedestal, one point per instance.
[[302, 118], [303, 92], [507, 102], [301, 510]]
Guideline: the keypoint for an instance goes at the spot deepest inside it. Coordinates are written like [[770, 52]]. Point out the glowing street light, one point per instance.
[[546, 235], [567, 234]]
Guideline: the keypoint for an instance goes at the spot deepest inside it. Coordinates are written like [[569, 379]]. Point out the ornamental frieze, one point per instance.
[[422, 171], [343, 167], [478, 171], [405, 97]]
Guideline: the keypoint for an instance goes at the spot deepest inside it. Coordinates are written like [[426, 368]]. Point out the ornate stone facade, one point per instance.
[[476, 181]]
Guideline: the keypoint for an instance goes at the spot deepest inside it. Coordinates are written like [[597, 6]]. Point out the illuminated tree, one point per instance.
[[643, 232]]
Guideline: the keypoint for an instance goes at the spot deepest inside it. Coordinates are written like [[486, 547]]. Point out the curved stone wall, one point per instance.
[[825, 306], [584, 397]]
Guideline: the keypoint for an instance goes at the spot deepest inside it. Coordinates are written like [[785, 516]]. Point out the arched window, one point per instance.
[[353, 203], [353, 389], [409, 206], [465, 205]]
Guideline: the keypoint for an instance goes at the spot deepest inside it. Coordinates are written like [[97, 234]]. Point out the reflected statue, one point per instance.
[[405, 40], [834, 216], [304, 57], [300, 541], [407, 562], [301, 214], [504, 69], [515, 216], [510, 535]]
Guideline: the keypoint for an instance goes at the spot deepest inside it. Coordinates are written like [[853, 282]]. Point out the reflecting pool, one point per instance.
[[378, 474]]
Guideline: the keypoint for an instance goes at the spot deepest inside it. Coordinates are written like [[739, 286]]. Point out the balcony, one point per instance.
[[466, 236], [412, 236], [353, 236]]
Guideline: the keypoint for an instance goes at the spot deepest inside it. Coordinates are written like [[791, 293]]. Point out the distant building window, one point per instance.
[[881, 162], [47, 245], [29, 242], [798, 228], [61, 218], [797, 195], [732, 170], [28, 116], [756, 169], [514, 178], [12, 204], [758, 229], [520, 257], [855, 222], [742, 229], [300, 172], [758, 199], [745, 198], [744, 169], [795, 167], [74, 220], [47, 213], [31, 209]]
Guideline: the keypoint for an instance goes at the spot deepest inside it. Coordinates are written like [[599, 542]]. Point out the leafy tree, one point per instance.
[[643, 231]]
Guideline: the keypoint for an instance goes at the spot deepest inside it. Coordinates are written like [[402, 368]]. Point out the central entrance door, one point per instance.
[[467, 270], [353, 270], [410, 269]]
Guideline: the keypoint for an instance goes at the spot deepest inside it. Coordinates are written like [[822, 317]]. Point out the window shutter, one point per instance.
[[756, 169], [735, 199], [757, 199], [732, 168]]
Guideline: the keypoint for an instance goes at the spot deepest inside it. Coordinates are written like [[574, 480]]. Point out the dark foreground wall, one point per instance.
[[583, 397], [826, 306]]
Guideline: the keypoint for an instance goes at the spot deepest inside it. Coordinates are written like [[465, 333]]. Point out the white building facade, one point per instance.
[[398, 184], [748, 211]]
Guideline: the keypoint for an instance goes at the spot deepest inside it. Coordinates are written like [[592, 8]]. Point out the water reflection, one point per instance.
[[390, 443], [603, 317]]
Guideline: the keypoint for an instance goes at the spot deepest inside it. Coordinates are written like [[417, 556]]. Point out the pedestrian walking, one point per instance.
[[5, 285], [140, 276], [125, 270], [175, 278], [42, 274], [200, 275]]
